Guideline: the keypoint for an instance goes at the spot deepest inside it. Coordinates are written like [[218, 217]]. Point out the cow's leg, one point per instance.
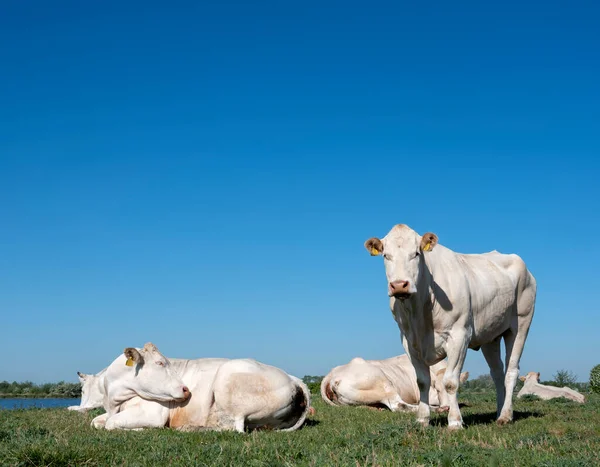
[[424, 384], [514, 348], [137, 417], [240, 424], [491, 352], [514, 340], [456, 351], [99, 421]]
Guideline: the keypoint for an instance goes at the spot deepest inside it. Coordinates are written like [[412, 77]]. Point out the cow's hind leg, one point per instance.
[[514, 339], [491, 352]]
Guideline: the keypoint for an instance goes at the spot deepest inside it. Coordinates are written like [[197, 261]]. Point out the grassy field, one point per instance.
[[556, 432]]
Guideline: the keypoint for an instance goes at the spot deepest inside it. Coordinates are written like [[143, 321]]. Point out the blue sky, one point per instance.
[[204, 176]]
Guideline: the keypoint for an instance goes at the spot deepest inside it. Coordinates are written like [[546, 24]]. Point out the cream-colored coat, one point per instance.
[[533, 387], [390, 383], [225, 395], [446, 302]]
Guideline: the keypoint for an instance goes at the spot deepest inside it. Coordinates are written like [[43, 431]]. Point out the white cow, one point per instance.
[[391, 383], [533, 387], [445, 302], [226, 395], [92, 391]]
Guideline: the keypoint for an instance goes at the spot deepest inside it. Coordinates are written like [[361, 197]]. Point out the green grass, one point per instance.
[[556, 432]]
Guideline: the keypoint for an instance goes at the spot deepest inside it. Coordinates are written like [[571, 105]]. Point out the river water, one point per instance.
[[41, 403]]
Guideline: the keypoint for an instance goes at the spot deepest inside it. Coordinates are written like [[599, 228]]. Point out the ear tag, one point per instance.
[[427, 247], [129, 362], [374, 251]]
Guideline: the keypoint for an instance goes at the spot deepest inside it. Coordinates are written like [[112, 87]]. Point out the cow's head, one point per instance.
[[402, 249], [92, 390], [531, 376], [150, 375]]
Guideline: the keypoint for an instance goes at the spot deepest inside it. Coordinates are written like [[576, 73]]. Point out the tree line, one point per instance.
[[64, 389], [29, 389]]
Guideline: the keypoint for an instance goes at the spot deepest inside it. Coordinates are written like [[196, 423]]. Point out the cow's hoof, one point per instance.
[[423, 422], [503, 421], [455, 425], [99, 422]]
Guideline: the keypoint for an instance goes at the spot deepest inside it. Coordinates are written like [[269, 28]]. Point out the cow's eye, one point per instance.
[[417, 254], [386, 256], [159, 363]]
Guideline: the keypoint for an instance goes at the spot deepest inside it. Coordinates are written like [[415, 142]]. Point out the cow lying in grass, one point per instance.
[[533, 387], [144, 389], [92, 392], [389, 383]]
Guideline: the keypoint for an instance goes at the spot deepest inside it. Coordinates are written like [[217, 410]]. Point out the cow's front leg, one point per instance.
[[424, 384], [456, 349], [147, 415], [99, 421]]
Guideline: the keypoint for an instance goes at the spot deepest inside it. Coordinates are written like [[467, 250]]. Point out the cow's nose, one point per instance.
[[399, 286], [186, 392]]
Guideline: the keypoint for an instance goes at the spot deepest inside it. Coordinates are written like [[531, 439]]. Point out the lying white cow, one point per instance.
[[145, 389], [445, 302], [92, 392], [391, 383], [533, 387]]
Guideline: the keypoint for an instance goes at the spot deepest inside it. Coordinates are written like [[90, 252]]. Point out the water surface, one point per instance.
[[41, 403]]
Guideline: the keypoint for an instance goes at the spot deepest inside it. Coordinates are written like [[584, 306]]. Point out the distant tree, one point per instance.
[[479, 383], [565, 378], [29, 389], [313, 383], [595, 379]]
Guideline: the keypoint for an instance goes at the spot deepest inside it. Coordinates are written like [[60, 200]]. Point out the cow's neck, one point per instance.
[[415, 319]]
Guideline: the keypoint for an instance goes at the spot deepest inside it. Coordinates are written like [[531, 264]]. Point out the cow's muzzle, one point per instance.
[[186, 394], [399, 289]]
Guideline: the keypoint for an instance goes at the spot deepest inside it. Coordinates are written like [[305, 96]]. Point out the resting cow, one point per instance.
[[445, 302], [92, 392], [389, 383], [533, 387], [225, 394]]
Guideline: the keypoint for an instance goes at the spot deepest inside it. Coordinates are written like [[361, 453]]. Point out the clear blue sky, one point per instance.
[[204, 176]]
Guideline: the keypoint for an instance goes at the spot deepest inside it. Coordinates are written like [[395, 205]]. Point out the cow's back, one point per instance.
[[493, 282]]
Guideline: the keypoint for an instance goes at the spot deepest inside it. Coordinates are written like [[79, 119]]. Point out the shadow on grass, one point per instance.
[[488, 418], [311, 422]]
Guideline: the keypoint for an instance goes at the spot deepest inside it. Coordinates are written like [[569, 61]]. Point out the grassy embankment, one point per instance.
[[556, 432]]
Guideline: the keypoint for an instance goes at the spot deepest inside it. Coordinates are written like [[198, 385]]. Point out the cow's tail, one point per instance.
[[327, 391], [301, 404]]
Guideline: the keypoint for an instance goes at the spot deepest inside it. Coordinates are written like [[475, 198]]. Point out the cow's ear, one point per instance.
[[464, 377], [374, 246], [133, 356], [522, 378], [82, 376], [428, 241]]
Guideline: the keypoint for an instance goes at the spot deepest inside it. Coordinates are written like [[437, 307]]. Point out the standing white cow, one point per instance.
[[533, 387], [391, 383], [92, 391], [225, 394], [445, 302]]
